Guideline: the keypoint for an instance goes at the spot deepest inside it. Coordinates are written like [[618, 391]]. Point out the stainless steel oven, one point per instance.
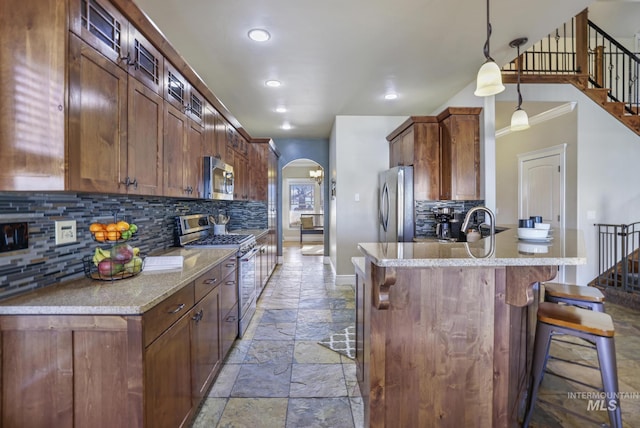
[[218, 179], [196, 231]]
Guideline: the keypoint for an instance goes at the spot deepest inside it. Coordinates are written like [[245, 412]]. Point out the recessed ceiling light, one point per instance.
[[272, 83], [281, 109], [391, 96], [259, 35], [286, 126]]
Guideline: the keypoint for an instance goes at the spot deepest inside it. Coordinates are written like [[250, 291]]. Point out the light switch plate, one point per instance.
[[65, 232]]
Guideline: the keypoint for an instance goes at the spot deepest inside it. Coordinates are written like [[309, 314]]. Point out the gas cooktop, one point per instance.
[[195, 231], [221, 240]]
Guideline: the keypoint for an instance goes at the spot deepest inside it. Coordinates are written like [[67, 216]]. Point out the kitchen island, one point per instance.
[[444, 330]]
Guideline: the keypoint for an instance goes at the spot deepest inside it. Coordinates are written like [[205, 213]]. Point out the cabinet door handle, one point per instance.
[[211, 281], [197, 317], [127, 60], [178, 309], [231, 318], [230, 265], [230, 283]]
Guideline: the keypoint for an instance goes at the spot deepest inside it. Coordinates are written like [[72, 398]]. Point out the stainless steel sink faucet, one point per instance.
[[473, 210], [492, 240]]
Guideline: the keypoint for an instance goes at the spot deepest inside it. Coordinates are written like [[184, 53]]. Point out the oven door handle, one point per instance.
[[249, 255]]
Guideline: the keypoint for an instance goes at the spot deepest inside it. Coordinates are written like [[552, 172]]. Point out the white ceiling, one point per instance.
[[339, 57]]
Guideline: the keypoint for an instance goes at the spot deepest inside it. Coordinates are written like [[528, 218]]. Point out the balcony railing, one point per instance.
[[618, 256], [580, 47]]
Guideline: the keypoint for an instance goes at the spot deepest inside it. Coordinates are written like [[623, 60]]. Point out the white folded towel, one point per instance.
[[162, 263]]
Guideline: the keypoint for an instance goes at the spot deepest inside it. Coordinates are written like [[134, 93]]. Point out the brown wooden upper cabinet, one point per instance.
[[460, 153], [115, 127], [97, 141], [105, 110], [103, 27], [444, 151], [215, 134], [33, 120], [115, 141], [182, 95]]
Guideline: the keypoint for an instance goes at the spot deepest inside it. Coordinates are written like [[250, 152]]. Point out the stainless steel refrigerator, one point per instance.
[[395, 212]]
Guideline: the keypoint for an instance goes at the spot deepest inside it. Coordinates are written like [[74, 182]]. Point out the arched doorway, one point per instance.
[[303, 200]]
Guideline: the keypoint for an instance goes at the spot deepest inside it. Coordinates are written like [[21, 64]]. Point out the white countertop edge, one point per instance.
[[119, 311], [552, 261]]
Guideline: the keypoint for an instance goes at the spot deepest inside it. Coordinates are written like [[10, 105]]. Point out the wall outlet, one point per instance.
[[66, 232]]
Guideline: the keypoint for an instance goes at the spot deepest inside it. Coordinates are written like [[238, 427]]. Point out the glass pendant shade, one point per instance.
[[519, 120], [489, 81]]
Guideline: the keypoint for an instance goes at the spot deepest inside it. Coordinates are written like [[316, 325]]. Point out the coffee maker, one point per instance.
[[443, 216]]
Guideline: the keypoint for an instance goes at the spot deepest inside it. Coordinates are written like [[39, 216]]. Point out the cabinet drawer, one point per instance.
[[165, 313], [207, 282], [228, 293], [228, 266]]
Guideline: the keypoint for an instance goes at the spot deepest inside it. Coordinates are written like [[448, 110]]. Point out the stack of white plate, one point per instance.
[[541, 232]]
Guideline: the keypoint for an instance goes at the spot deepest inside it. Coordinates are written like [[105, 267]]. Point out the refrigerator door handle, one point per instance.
[[384, 207]]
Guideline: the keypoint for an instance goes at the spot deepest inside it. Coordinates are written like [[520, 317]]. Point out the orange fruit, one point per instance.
[[112, 227], [100, 235], [122, 226], [96, 227], [113, 235]]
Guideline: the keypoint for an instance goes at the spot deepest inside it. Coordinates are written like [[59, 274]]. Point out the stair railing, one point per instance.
[[614, 67], [579, 46], [619, 256]]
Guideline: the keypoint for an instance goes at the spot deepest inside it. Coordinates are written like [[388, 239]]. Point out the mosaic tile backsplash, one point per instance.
[[45, 263], [425, 215]]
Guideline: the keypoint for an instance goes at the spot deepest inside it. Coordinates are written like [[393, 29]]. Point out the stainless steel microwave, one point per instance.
[[218, 179]]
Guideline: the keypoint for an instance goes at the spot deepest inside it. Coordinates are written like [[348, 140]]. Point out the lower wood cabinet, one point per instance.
[[149, 370], [167, 377], [205, 343]]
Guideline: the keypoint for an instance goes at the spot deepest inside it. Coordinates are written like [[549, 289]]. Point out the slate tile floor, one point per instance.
[[278, 375]]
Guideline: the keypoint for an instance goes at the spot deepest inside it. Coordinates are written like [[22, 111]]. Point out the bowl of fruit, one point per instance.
[[113, 232], [115, 258], [119, 261]]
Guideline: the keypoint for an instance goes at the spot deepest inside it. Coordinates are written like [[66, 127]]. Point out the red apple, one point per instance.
[[108, 267]]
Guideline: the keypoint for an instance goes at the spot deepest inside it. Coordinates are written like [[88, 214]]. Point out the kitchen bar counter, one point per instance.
[[444, 331], [130, 296]]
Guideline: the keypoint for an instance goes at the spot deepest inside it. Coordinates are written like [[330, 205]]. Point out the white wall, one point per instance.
[[358, 151], [606, 164]]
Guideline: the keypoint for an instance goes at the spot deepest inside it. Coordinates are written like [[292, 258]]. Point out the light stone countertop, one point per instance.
[[566, 248], [130, 296], [258, 233]]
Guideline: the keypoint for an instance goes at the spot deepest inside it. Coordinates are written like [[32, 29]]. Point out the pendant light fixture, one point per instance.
[[489, 81], [519, 119]]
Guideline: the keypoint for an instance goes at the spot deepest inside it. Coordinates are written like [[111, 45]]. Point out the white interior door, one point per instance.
[[541, 186]]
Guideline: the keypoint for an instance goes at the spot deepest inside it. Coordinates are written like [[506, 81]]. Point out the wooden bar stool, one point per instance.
[[574, 295], [592, 326]]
